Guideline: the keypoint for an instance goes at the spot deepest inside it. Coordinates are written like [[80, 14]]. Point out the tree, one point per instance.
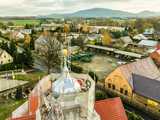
[[66, 28], [85, 28], [27, 39], [10, 23], [19, 95], [78, 42], [106, 39], [100, 95], [117, 34], [49, 54]]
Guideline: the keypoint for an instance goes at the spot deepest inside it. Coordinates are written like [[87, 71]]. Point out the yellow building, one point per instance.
[[139, 80]]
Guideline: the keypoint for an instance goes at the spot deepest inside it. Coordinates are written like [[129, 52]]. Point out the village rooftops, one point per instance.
[[111, 109], [146, 87]]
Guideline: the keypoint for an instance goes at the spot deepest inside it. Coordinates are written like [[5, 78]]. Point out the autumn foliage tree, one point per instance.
[[106, 38]]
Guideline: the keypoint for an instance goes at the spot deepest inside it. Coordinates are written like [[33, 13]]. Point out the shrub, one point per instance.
[[76, 68], [93, 76], [100, 95], [133, 116], [86, 59], [19, 95]]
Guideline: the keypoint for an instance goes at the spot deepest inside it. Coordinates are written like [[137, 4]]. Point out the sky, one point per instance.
[[45, 7]]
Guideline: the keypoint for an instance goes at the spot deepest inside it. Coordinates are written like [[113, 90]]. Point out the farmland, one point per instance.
[[21, 22]]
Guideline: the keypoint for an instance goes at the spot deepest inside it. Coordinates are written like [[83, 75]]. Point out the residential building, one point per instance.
[[140, 37], [26, 31], [133, 79], [147, 91], [126, 40], [16, 35], [149, 33], [5, 57], [50, 26], [148, 43]]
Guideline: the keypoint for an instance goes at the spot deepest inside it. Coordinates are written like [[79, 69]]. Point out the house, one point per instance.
[[110, 28], [17, 35], [50, 26], [94, 38], [40, 42], [147, 91], [140, 37], [149, 33], [126, 39], [26, 31], [123, 80], [148, 43], [5, 57], [111, 109]]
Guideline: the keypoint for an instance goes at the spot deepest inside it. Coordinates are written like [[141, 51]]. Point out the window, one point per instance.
[[113, 87], [109, 85], [121, 90], [126, 92], [4, 56]]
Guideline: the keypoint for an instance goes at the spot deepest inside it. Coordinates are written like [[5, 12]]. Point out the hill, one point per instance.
[[105, 13]]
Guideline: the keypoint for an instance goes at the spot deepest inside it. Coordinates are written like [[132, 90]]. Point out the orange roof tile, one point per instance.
[[111, 109]]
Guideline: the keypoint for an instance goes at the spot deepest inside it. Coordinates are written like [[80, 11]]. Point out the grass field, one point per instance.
[[31, 77], [8, 106], [22, 22]]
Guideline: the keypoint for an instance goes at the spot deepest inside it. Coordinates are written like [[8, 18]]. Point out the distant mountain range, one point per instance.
[[105, 13]]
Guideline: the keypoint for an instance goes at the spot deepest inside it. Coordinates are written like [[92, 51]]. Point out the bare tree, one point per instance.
[[49, 53]]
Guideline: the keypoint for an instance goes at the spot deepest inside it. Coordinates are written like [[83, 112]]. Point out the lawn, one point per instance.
[[7, 106], [22, 22], [31, 77]]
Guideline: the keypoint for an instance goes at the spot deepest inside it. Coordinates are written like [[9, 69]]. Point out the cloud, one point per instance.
[[42, 7]]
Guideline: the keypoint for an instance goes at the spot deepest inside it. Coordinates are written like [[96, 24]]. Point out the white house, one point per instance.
[[5, 57], [126, 40], [140, 37], [26, 31]]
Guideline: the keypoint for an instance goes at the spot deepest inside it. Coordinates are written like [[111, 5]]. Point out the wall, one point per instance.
[[154, 105], [116, 78]]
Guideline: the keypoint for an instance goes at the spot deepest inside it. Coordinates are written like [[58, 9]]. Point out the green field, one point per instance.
[[22, 22], [8, 106]]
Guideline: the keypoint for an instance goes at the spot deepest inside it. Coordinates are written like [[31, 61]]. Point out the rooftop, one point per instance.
[[146, 87], [10, 84], [149, 43], [111, 109]]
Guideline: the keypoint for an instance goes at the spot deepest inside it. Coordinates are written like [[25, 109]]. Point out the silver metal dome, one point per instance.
[[65, 83]]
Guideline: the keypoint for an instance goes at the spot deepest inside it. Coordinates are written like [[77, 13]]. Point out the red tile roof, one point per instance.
[[111, 109]]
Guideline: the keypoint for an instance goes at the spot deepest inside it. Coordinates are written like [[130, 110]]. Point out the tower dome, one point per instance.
[[65, 83]]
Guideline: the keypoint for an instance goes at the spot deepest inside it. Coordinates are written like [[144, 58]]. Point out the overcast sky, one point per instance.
[[43, 7]]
